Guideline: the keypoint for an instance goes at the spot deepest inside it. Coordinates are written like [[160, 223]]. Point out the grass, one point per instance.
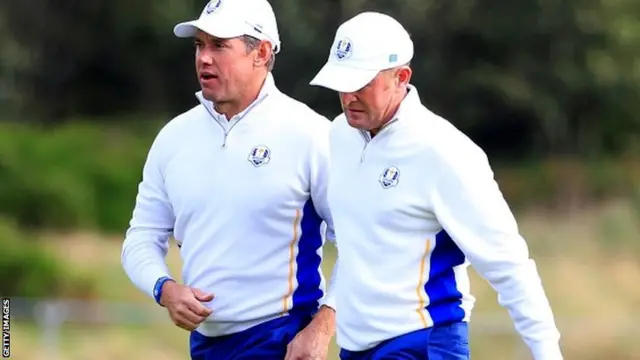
[[588, 260]]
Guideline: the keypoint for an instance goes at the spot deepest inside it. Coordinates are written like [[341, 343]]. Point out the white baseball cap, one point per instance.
[[232, 18], [363, 46]]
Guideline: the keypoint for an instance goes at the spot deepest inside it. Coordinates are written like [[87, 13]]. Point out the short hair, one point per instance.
[[252, 43]]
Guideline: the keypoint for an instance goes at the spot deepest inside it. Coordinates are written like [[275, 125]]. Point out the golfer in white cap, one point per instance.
[[240, 182], [413, 202]]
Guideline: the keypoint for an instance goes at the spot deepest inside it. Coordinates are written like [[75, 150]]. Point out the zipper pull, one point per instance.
[[224, 140], [367, 140]]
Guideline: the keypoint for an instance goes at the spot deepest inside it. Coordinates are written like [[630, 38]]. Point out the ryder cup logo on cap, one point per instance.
[[212, 6], [344, 49]]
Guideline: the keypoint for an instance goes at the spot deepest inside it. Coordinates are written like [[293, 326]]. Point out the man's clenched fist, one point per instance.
[[185, 304]]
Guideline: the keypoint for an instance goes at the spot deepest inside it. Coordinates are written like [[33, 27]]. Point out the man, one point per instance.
[[412, 199], [240, 182]]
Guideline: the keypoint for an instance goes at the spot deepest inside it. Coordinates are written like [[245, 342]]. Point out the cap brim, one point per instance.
[[220, 29], [342, 78]]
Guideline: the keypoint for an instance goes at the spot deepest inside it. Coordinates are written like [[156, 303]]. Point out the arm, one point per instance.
[[471, 208], [313, 341], [319, 176], [147, 239]]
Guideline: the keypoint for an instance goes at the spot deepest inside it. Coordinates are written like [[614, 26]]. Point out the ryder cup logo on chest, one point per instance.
[[389, 177], [259, 155], [344, 49], [212, 6]]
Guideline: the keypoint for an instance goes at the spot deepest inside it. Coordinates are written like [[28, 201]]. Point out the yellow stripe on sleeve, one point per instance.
[[420, 288], [292, 252]]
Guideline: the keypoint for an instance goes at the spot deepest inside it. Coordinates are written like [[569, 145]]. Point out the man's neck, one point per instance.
[[389, 114], [247, 97]]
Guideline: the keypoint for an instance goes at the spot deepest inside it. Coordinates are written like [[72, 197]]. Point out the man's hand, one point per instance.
[[312, 343], [185, 304]]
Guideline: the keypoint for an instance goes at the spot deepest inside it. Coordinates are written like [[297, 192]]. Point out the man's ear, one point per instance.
[[263, 54], [403, 75]]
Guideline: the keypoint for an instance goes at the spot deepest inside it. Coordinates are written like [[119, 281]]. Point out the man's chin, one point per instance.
[[210, 95], [357, 122]]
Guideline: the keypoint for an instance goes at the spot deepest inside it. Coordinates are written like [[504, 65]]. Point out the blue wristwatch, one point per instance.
[[157, 289]]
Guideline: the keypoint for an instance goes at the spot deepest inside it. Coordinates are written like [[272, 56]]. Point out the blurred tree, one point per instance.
[[521, 78]]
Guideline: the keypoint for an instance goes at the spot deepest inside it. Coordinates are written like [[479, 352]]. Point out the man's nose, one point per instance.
[[347, 98], [205, 56]]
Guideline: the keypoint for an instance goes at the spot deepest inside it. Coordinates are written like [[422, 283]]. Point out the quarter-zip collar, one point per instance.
[[268, 88], [410, 102], [408, 105]]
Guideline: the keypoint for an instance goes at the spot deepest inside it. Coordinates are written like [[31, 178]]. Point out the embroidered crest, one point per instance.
[[344, 49], [259, 155], [212, 6], [389, 177]]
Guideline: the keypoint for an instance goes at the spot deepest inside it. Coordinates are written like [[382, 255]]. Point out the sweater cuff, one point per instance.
[[329, 300], [547, 350]]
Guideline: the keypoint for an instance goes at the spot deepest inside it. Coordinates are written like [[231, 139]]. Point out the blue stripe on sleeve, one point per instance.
[[308, 293], [441, 287]]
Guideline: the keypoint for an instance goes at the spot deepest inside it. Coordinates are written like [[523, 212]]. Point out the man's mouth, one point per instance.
[[208, 76]]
